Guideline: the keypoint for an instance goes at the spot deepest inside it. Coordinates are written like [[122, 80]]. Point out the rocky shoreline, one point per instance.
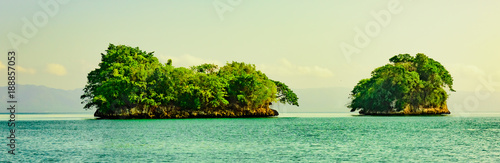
[[141, 112], [410, 111]]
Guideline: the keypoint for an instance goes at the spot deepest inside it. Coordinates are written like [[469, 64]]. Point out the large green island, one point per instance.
[[407, 86], [131, 83]]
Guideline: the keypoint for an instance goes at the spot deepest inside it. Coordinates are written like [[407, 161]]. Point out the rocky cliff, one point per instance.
[[171, 112], [408, 110]]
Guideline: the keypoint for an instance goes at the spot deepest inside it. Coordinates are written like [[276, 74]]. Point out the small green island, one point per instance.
[[409, 85], [131, 83]]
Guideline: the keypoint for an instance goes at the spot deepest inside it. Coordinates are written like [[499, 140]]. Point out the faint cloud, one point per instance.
[[25, 70], [2, 66], [19, 69], [467, 77], [473, 70], [56, 69], [285, 67], [315, 71], [459, 70]]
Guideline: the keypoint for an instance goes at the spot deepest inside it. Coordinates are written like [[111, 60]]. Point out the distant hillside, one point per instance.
[[472, 102], [318, 100], [41, 99]]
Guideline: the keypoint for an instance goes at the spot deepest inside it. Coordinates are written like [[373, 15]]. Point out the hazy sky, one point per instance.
[[297, 42]]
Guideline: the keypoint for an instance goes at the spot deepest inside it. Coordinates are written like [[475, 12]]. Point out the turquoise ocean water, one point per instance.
[[332, 137]]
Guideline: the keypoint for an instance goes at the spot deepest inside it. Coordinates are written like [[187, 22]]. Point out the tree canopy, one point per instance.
[[128, 77], [415, 82]]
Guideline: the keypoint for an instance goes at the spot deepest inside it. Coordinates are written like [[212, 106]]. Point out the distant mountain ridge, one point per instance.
[[332, 99], [41, 99]]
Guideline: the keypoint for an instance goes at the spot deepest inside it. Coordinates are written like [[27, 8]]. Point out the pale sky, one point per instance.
[[294, 41]]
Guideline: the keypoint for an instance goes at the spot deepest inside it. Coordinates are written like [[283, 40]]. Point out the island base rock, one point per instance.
[[411, 111], [141, 112]]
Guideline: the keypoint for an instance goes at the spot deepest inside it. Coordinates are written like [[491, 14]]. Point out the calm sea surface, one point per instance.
[[329, 137]]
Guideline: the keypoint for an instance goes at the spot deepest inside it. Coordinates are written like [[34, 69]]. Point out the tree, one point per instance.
[[285, 95], [247, 87], [120, 81], [205, 68], [129, 77], [415, 82]]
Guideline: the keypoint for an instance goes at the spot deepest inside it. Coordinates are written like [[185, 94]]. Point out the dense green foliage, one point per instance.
[[128, 77], [415, 82]]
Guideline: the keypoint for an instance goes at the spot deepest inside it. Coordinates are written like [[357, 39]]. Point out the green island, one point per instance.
[[407, 86], [131, 83]]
